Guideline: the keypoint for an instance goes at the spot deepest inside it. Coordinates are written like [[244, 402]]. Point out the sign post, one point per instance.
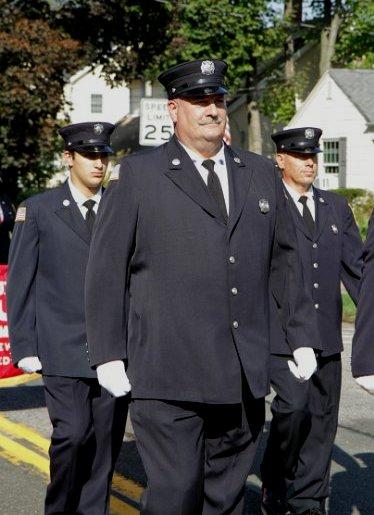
[[156, 126]]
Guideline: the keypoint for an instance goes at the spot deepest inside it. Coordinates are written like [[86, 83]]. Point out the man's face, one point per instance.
[[87, 169], [199, 119], [298, 170]]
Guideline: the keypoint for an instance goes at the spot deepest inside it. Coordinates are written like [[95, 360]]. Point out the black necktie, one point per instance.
[[90, 215], [214, 187], [307, 215]]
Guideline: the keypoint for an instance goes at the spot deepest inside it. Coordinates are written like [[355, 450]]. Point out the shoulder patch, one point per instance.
[[114, 174], [21, 214]]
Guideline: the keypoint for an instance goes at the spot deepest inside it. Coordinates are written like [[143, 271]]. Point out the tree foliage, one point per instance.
[[126, 37], [355, 47], [33, 60], [232, 30]]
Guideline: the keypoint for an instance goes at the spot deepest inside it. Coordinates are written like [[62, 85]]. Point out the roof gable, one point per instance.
[[358, 86]]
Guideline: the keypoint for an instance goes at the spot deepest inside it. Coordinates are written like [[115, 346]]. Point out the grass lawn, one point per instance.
[[349, 309]]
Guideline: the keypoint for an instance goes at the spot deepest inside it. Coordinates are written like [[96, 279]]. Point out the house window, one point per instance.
[[96, 103], [331, 156]]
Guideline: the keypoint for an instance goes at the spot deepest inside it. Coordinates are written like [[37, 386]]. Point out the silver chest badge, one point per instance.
[[263, 204], [334, 229], [207, 68], [66, 202]]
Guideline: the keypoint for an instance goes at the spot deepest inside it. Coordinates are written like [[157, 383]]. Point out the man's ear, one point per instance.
[[280, 161], [173, 109], [68, 158]]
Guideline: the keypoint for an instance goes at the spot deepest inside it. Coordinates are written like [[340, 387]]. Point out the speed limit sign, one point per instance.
[[156, 126]]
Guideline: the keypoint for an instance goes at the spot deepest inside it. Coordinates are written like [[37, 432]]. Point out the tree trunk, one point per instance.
[[254, 133], [328, 40]]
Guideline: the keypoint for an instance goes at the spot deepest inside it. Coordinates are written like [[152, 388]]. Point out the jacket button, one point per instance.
[[235, 324], [316, 306], [234, 291], [232, 259], [316, 285], [315, 245], [315, 265]]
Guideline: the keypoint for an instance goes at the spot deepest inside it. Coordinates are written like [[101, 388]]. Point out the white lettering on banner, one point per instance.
[[4, 360], [4, 333], [2, 287], [5, 347], [156, 126]]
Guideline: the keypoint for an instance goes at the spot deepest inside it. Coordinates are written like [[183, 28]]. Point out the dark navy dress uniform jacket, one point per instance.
[[182, 295], [363, 340], [45, 292], [331, 255]]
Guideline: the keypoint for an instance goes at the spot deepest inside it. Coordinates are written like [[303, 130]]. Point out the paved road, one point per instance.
[[25, 430]]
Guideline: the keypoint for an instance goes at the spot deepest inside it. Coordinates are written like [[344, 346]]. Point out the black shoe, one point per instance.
[[313, 511], [270, 504]]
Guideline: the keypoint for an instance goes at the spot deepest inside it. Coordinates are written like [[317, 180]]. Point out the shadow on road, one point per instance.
[[352, 488], [21, 398]]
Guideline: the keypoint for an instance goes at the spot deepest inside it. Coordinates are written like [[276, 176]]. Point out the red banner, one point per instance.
[[6, 367]]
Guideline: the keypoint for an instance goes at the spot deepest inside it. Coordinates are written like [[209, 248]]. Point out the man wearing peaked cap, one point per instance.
[[296, 465], [48, 257], [185, 238]]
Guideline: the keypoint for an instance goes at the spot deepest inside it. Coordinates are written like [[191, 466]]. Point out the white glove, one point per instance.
[[305, 364], [366, 382], [30, 364], [113, 378]]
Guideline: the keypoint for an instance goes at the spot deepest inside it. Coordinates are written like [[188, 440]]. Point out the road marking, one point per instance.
[[18, 380], [15, 452]]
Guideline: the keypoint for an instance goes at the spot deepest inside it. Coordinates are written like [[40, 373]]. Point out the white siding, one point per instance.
[[330, 109], [115, 101]]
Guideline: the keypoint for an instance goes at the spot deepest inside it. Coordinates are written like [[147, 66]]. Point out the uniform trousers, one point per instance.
[[196, 456], [88, 428], [297, 459]]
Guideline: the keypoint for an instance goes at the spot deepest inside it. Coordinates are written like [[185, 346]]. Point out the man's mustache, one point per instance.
[[217, 121]]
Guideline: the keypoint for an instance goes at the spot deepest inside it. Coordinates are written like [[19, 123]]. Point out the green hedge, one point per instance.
[[350, 193], [362, 204], [349, 308]]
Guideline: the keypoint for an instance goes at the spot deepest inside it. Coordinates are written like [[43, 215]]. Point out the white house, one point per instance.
[[89, 98], [342, 105]]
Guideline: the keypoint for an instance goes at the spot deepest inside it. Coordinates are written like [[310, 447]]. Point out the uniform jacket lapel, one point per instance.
[[71, 215], [239, 175], [322, 211], [184, 174]]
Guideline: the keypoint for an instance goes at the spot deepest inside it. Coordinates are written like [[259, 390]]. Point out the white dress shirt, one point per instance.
[[295, 195], [79, 198], [219, 167]]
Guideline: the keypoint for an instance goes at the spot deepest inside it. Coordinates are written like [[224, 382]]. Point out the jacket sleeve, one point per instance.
[[112, 244], [287, 283], [351, 254], [363, 339], [21, 287]]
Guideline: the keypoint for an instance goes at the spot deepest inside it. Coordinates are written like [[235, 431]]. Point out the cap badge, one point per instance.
[[334, 229], [98, 128], [66, 202], [207, 68], [309, 133], [176, 162], [263, 204]]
